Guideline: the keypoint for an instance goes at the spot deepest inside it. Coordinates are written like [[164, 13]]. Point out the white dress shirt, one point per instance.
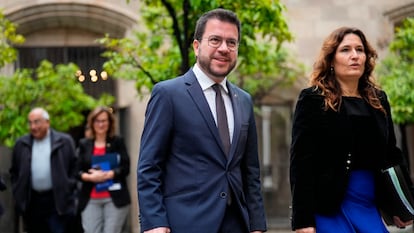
[[206, 85]]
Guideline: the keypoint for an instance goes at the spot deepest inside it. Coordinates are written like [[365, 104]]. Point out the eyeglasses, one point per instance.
[[216, 41], [97, 121]]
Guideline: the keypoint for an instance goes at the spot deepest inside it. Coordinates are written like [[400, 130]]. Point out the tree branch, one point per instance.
[[176, 26]]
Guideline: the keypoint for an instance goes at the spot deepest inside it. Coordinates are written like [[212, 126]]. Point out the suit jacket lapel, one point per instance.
[[382, 124], [237, 120], [196, 93]]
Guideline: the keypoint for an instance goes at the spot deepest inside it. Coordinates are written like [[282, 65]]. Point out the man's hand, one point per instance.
[[159, 230]]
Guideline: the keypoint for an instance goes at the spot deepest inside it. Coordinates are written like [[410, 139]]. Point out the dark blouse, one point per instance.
[[365, 134]]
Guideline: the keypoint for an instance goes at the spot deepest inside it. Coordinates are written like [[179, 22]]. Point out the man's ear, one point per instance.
[[196, 45]]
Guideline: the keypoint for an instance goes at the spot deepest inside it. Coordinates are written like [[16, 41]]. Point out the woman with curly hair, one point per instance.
[[342, 137]]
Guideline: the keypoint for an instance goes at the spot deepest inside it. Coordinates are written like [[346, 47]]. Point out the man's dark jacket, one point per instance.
[[63, 169], [183, 172]]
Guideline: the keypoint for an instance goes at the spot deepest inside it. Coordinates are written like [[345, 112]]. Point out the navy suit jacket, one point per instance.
[[183, 172]]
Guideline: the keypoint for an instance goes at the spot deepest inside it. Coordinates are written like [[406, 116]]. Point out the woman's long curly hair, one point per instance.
[[323, 77]]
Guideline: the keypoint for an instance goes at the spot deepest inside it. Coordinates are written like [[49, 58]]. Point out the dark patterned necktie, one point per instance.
[[222, 123]]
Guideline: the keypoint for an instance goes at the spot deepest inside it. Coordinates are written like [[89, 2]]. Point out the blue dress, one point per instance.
[[358, 212]]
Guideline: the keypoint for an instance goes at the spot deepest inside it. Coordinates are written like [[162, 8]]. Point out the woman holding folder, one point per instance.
[[342, 137], [103, 167]]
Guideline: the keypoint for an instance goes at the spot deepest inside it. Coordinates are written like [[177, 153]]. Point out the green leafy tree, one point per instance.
[[396, 73], [54, 88], [163, 49], [8, 38]]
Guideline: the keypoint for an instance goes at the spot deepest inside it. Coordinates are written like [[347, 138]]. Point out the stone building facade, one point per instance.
[[67, 29]]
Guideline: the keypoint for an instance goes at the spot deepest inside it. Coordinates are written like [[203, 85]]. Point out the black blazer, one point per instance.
[[115, 144], [320, 160]]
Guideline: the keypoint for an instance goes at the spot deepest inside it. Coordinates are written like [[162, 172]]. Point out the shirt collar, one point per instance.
[[206, 82]]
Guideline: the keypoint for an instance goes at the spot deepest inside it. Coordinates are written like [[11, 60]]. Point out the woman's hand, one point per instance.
[[97, 175], [400, 224], [306, 230]]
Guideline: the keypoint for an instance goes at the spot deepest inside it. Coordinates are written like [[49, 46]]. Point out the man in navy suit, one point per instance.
[[189, 180]]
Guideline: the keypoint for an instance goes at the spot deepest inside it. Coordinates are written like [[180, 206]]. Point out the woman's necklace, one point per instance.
[[350, 93]]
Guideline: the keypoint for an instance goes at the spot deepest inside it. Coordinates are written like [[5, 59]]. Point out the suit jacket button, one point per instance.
[[223, 195]]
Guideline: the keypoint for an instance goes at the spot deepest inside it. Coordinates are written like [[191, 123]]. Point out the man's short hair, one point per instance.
[[220, 14]]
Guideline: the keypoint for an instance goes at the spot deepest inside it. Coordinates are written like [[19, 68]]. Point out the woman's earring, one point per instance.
[[332, 70]]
